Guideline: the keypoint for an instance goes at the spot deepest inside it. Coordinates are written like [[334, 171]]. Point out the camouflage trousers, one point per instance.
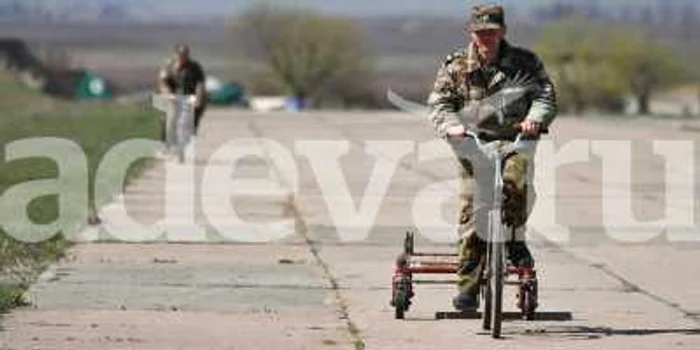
[[519, 199]]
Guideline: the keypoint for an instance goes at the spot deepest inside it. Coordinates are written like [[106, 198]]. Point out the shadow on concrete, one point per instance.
[[554, 316], [599, 332]]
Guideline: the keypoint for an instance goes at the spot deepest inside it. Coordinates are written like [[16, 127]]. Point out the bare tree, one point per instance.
[[303, 49], [606, 63]]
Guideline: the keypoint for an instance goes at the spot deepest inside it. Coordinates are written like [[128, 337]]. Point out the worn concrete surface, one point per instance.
[[312, 290]]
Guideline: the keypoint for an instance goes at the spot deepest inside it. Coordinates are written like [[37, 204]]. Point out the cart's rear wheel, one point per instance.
[[399, 311], [402, 300]]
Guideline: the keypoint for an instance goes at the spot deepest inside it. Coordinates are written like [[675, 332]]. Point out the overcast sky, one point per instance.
[[366, 7], [455, 8], [347, 7]]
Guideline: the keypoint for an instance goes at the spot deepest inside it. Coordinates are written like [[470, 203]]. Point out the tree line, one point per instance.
[[596, 64]]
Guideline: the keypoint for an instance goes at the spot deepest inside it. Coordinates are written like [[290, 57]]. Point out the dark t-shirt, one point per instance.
[[184, 80]]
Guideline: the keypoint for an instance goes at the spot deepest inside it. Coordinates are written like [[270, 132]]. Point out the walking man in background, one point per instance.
[[184, 76]]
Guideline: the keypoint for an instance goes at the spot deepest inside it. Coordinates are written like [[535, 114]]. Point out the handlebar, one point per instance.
[[516, 128], [165, 102], [191, 98], [517, 145]]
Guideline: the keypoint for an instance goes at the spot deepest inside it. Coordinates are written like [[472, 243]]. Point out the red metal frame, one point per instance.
[[435, 254], [406, 267]]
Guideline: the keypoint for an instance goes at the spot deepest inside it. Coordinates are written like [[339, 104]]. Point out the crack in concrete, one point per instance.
[[344, 308], [634, 288], [627, 285], [302, 229]]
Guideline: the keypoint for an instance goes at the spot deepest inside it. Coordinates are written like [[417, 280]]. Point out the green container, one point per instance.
[[230, 95], [92, 87]]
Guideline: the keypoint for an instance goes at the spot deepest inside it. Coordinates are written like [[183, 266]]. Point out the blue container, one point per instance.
[[296, 104]]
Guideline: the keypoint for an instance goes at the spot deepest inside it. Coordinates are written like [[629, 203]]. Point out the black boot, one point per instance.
[[466, 301]]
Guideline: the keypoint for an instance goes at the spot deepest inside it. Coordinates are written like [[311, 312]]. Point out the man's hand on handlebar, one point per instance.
[[457, 132], [530, 128], [527, 128]]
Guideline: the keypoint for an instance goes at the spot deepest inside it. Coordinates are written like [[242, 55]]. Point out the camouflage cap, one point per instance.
[[487, 17]]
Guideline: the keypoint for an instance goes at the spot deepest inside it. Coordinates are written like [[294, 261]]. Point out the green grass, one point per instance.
[[96, 127], [11, 296]]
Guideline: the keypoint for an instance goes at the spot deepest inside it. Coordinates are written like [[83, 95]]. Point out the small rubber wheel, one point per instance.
[[400, 304]]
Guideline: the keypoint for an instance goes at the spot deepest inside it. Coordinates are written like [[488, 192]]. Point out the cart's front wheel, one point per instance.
[[485, 281], [496, 286], [486, 314]]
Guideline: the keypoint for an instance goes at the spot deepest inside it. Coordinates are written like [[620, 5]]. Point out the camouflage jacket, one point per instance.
[[492, 97]]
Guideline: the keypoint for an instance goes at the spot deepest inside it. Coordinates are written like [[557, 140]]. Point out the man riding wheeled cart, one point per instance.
[[497, 96]]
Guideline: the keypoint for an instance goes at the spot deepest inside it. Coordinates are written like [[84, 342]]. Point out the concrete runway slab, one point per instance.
[[313, 290]]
